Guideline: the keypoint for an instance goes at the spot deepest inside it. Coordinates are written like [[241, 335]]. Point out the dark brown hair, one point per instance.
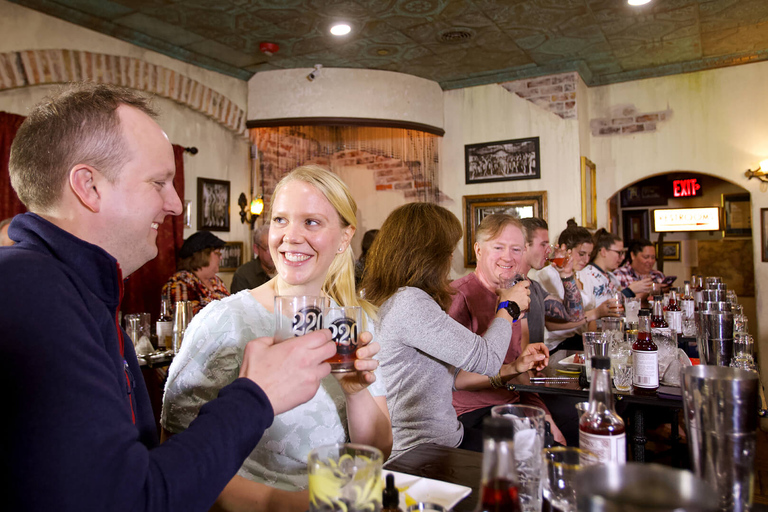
[[635, 247], [197, 261], [413, 248], [531, 225], [574, 235], [603, 239], [77, 125]]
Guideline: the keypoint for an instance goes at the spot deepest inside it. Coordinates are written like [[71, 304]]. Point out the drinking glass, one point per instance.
[[743, 352], [297, 315], [512, 280], [622, 376], [730, 296], [557, 256], [345, 477], [561, 465], [594, 345], [528, 422], [345, 324]]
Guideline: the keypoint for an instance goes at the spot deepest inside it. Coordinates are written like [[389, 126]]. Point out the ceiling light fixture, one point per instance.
[[635, 3], [340, 29]]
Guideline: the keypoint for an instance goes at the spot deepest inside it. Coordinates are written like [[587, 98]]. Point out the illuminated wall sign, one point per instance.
[[687, 219], [686, 188]]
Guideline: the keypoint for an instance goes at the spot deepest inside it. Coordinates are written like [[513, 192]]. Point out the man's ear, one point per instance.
[[477, 251], [85, 182]]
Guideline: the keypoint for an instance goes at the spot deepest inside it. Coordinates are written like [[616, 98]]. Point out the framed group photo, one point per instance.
[[477, 207], [212, 205], [504, 160], [669, 250], [231, 257]]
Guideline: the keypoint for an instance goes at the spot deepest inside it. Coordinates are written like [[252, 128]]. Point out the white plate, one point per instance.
[[569, 361], [415, 489]]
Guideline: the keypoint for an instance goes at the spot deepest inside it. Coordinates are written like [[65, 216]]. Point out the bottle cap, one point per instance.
[[498, 428], [644, 312], [390, 497], [601, 363]]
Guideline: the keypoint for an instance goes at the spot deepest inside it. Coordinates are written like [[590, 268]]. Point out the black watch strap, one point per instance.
[[512, 308]]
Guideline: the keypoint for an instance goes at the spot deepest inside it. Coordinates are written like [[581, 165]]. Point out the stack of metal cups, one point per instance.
[[721, 413], [714, 324]]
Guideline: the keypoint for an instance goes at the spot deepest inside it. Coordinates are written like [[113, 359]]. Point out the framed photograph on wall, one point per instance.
[[670, 250], [503, 160], [212, 205], [477, 207], [588, 193], [737, 215], [764, 233], [635, 224], [231, 257]]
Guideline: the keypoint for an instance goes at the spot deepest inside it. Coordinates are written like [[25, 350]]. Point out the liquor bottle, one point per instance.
[[164, 325], [645, 358], [698, 291], [657, 319], [687, 305], [498, 486], [601, 430], [673, 315], [390, 496]]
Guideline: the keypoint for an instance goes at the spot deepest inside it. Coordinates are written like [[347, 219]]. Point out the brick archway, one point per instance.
[[43, 67]]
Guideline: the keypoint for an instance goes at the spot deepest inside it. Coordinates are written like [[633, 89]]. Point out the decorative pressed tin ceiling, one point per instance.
[[457, 43]]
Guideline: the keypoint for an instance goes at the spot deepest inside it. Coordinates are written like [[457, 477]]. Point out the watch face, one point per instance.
[[513, 309]]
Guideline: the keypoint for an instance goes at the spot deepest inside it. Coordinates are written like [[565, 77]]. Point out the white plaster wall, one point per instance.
[[222, 154], [491, 113], [337, 92], [719, 127]]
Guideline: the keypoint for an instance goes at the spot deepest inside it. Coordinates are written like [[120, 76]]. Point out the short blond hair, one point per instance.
[[492, 225]]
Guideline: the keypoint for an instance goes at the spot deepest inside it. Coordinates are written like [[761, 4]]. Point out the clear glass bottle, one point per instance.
[[657, 318], [645, 358], [164, 325], [673, 315], [498, 486], [601, 430]]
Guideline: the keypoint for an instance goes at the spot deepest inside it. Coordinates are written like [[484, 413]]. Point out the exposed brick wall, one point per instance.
[[41, 67], [555, 93], [625, 119]]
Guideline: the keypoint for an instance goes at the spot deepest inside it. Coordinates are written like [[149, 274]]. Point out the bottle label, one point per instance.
[[607, 449], [688, 307], [674, 320], [645, 365], [164, 334]]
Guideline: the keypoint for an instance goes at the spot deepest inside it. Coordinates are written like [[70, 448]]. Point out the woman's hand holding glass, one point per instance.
[[608, 308], [641, 287], [365, 364]]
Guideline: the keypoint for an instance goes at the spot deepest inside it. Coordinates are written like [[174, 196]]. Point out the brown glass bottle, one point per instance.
[[645, 358], [390, 496], [164, 325], [601, 430], [657, 319], [498, 486]]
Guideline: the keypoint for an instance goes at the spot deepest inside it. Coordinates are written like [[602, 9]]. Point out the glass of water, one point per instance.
[[528, 422], [561, 465]]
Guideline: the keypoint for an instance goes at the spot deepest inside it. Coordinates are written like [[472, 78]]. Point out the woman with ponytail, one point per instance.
[[311, 226]]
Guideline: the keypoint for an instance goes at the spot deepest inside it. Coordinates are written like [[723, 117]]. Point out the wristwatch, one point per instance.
[[512, 308]]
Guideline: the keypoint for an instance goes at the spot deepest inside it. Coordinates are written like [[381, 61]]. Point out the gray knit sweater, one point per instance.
[[420, 347]]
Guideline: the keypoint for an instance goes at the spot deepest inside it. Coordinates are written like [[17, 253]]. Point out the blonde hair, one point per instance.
[[492, 225], [339, 281]]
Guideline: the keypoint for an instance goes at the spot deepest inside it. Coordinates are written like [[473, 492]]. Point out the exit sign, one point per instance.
[[685, 188]]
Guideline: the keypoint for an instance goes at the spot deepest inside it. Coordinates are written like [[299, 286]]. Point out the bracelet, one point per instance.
[[496, 381]]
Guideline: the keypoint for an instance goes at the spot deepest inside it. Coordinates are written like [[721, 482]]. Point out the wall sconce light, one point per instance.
[[761, 173], [256, 207]]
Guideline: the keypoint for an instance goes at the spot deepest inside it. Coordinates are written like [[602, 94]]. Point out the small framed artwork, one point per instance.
[[737, 215], [764, 233], [588, 193], [212, 205], [231, 257], [669, 250], [636, 224], [503, 160], [477, 207]]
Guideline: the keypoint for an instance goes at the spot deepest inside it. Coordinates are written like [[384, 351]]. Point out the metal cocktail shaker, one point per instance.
[[721, 406]]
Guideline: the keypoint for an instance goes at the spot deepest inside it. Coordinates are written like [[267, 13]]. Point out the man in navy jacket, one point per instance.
[[77, 430]]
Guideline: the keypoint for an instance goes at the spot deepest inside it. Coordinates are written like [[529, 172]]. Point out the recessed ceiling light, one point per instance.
[[340, 29], [638, 2]]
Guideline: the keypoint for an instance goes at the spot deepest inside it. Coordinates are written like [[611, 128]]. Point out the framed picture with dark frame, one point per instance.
[[212, 205], [477, 207], [764, 233], [737, 215], [504, 160], [231, 257], [670, 250], [635, 224], [588, 193]]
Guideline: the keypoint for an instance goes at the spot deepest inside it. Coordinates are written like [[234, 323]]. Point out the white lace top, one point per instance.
[[210, 358]]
